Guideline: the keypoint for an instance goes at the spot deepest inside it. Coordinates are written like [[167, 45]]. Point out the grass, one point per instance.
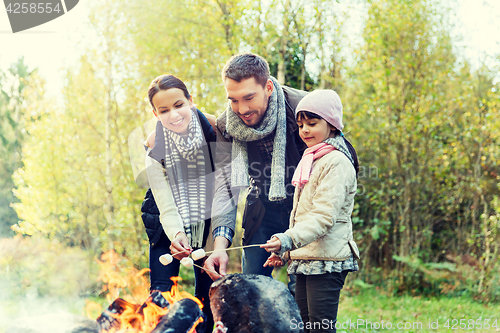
[[367, 310], [372, 309], [361, 304], [413, 313]]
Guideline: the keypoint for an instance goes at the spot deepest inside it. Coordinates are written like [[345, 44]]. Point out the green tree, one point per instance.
[[406, 108], [77, 184], [14, 85], [191, 40]]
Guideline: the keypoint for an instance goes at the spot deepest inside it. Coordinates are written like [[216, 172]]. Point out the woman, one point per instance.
[[179, 167]]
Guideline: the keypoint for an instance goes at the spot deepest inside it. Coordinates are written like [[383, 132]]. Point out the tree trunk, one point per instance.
[[303, 69], [226, 17], [108, 175], [284, 41]]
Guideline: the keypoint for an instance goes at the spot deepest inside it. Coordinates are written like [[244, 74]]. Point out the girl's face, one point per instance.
[[313, 131], [173, 109]]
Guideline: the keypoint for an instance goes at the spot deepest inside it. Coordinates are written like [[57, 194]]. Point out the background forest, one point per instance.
[[425, 123]]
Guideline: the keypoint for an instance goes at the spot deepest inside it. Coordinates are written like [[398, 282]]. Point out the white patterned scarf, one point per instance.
[[185, 171], [274, 118]]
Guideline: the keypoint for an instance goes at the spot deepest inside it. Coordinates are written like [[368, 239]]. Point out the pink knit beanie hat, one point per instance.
[[324, 103]]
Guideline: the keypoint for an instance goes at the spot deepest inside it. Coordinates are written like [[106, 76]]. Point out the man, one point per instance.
[[257, 139]]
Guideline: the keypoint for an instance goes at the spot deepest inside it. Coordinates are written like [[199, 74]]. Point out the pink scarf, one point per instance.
[[301, 175]]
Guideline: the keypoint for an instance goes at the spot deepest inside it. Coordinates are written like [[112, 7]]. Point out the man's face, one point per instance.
[[249, 99]]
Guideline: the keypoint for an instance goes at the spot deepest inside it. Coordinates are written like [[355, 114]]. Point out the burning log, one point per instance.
[[110, 318], [247, 303], [158, 299], [183, 316], [162, 312]]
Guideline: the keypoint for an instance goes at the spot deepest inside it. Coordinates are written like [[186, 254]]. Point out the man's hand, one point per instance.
[[151, 139], [179, 247], [218, 260], [272, 245], [274, 261]]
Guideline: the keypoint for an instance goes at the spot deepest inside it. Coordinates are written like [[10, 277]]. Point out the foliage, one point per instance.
[[18, 87], [294, 62], [77, 184], [426, 127], [425, 122], [186, 39], [39, 267]]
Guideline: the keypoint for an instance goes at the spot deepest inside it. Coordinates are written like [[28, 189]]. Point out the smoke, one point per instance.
[[40, 279], [31, 313]]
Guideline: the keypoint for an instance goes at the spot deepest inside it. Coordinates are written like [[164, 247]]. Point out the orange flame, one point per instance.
[[120, 279], [132, 317]]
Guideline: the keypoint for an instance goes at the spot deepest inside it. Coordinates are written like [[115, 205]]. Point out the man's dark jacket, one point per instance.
[[253, 208]]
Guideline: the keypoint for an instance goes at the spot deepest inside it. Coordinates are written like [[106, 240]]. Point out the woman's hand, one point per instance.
[[179, 247], [274, 261], [272, 245]]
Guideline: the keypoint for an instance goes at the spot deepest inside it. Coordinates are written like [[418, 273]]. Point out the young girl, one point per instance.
[[319, 242], [179, 168]]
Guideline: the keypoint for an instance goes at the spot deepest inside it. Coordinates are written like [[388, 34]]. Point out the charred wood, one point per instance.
[[109, 318], [181, 318], [249, 303]]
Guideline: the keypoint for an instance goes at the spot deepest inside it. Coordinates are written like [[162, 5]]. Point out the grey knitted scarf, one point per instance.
[[339, 143], [274, 118]]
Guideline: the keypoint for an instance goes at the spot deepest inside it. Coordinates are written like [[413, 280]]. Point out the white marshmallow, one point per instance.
[[166, 259], [198, 254], [187, 262]]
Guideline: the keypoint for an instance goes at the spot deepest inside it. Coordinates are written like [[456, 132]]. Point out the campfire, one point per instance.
[[240, 303], [171, 311], [161, 312]]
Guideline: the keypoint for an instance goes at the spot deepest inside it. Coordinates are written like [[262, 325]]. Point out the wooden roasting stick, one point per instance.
[[208, 270], [198, 254], [188, 262], [202, 252], [167, 258], [234, 248]]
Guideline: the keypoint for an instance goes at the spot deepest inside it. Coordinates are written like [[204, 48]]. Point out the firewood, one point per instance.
[[247, 303], [181, 318]]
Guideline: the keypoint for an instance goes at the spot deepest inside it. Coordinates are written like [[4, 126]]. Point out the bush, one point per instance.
[[40, 267], [460, 275]]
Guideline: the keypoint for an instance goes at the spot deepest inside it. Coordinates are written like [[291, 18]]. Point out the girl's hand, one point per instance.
[[274, 261], [272, 245], [180, 247]]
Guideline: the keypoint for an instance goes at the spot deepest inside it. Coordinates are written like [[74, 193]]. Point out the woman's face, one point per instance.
[[173, 109]]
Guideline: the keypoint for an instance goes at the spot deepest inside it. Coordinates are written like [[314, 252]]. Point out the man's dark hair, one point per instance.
[[244, 66]]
